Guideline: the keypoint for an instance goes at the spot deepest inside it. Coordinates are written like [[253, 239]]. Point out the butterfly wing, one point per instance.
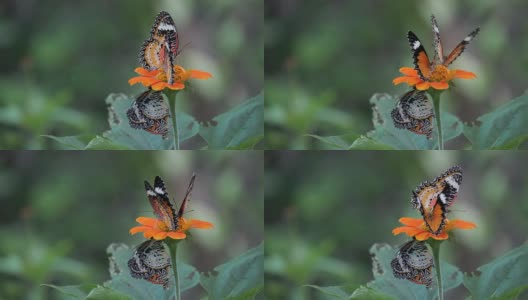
[[187, 197], [449, 184], [425, 198], [422, 63], [414, 262], [159, 200], [437, 43], [460, 47], [151, 262]]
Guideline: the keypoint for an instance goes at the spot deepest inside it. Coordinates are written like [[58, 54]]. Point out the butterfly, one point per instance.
[[161, 204], [150, 112], [160, 50], [414, 262], [433, 198], [423, 65], [151, 261], [414, 112]]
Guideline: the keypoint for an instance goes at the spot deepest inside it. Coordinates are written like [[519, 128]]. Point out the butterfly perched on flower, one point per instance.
[[162, 206], [433, 198], [433, 70], [159, 51], [150, 112], [414, 262], [151, 261], [414, 112]]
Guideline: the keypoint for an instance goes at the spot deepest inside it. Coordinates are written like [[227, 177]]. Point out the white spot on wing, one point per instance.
[[443, 198], [435, 28], [165, 26], [159, 190], [151, 193], [468, 38], [452, 182], [416, 45]]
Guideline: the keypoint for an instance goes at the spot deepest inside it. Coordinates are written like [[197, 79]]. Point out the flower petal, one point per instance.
[[176, 235], [160, 235], [147, 221], [411, 221], [176, 86], [137, 229], [197, 74], [408, 71], [160, 85], [440, 85], [145, 72], [459, 224], [422, 86], [465, 74], [200, 224], [422, 236], [441, 236], [410, 231], [399, 80]]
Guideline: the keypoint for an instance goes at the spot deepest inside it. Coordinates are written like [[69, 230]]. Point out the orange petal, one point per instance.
[[422, 86], [460, 224], [146, 81], [150, 233], [200, 224], [441, 236], [410, 231], [465, 74], [145, 72], [422, 236], [197, 74], [399, 80], [159, 85], [176, 235], [440, 85], [176, 86], [137, 229], [411, 221], [408, 71], [160, 235], [147, 221]]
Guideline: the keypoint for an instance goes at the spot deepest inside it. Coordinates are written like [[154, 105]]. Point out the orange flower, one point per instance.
[[157, 79], [416, 228], [157, 229], [440, 76]]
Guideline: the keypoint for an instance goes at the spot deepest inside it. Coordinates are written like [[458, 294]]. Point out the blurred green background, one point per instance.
[[60, 211], [324, 210], [325, 59], [60, 60]]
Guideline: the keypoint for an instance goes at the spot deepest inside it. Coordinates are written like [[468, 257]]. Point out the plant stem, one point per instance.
[[436, 101], [172, 101], [435, 245], [174, 245]]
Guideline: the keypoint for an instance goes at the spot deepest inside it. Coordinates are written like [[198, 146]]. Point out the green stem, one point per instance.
[[435, 245], [436, 101], [174, 245], [172, 101]]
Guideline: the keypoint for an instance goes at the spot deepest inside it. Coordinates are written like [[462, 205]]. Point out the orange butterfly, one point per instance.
[[422, 63], [161, 204], [160, 50], [433, 198]]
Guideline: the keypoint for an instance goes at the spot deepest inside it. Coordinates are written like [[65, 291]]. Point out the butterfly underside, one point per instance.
[[151, 262], [414, 262], [414, 112], [433, 198], [423, 65], [159, 51], [150, 112]]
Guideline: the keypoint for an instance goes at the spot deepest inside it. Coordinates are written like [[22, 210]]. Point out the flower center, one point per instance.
[[180, 75], [440, 73], [162, 226], [161, 76]]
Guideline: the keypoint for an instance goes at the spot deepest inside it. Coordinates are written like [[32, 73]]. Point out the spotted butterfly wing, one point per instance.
[[414, 262], [460, 47], [421, 61], [151, 262], [160, 50], [437, 42], [433, 198], [414, 112], [187, 197], [150, 112], [160, 202]]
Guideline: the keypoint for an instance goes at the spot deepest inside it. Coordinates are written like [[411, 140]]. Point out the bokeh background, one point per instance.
[[60, 59], [325, 59], [324, 210], [60, 211]]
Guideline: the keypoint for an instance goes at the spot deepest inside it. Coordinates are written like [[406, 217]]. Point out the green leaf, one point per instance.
[[237, 279], [504, 128], [336, 292], [101, 143], [104, 293], [339, 142], [240, 128], [386, 136], [385, 283], [187, 126], [138, 289], [76, 142], [74, 291], [503, 278]]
